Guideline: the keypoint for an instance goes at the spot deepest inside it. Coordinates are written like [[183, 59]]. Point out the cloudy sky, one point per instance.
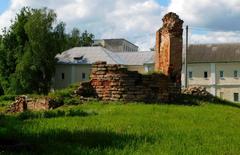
[[137, 20]]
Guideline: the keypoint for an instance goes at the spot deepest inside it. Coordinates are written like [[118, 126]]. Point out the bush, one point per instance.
[[7, 97], [65, 95], [72, 101]]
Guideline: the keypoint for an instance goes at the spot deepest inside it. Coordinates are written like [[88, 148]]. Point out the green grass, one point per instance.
[[125, 129]]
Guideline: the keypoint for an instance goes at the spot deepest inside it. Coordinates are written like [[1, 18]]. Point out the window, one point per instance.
[[221, 95], [205, 75], [221, 74], [63, 76], [190, 74], [83, 76], [235, 74], [236, 97]]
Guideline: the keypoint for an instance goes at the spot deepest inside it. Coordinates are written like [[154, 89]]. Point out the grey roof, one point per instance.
[[137, 58], [88, 55], [228, 52]]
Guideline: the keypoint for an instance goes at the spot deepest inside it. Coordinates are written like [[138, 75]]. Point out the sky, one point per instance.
[[138, 20]]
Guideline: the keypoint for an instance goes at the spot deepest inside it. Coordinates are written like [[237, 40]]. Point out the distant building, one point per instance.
[[216, 67], [74, 65], [116, 45]]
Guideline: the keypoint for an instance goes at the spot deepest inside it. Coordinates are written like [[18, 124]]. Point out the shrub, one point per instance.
[[7, 97], [65, 95], [72, 101]]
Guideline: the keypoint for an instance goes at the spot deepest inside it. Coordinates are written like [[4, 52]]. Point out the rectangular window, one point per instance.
[[235, 74], [83, 76], [221, 74], [190, 75], [236, 97], [63, 76], [221, 95], [205, 75]]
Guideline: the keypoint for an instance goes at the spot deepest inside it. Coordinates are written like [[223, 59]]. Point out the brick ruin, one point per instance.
[[115, 83], [168, 56], [23, 103]]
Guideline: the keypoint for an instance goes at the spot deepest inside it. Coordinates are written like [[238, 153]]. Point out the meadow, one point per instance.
[[118, 128]]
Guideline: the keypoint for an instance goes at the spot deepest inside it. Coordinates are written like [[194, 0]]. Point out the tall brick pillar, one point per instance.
[[168, 57]]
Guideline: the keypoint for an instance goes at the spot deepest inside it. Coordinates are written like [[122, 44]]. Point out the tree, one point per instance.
[[76, 39], [29, 47], [27, 54]]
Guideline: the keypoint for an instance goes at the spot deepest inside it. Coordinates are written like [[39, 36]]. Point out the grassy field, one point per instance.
[[97, 128]]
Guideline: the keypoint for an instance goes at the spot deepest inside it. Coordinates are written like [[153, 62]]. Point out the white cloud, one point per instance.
[[215, 37], [131, 19], [221, 14], [138, 20], [219, 17]]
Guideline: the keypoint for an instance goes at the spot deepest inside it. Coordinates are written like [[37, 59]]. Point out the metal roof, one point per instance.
[[137, 58], [227, 52], [89, 55]]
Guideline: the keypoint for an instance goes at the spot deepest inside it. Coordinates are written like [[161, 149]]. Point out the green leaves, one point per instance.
[[29, 47], [27, 52]]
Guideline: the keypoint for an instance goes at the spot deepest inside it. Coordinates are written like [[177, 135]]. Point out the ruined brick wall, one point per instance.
[[168, 57], [114, 83], [22, 103]]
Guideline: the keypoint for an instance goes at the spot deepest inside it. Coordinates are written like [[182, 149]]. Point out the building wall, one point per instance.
[[227, 92], [198, 74], [224, 87], [72, 74], [117, 45], [228, 70]]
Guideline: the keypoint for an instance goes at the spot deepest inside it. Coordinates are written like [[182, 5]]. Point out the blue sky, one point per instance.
[[138, 20], [4, 4], [163, 2]]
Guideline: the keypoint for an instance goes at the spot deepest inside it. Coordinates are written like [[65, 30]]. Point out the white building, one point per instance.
[[216, 67], [74, 65]]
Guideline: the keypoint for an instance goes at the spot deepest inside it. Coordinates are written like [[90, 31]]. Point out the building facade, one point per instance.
[[216, 67], [75, 65], [116, 45]]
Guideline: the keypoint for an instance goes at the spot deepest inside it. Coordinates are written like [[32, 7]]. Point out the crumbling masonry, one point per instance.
[[114, 83]]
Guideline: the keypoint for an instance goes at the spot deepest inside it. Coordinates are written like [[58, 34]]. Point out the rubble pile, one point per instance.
[[196, 91], [23, 103]]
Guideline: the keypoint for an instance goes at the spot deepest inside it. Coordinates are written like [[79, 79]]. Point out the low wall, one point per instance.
[[114, 83], [22, 103]]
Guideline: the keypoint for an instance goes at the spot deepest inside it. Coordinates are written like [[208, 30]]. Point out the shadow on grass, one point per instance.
[[199, 100], [54, 113], [58, 141]]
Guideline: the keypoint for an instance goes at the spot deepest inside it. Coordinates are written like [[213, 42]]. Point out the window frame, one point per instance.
[[63, 76], [236, 97], [83, 76], [221, 74], [190, 73], [235, 74], [205, 74]]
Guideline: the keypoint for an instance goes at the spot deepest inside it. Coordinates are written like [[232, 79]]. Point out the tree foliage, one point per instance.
[[29, 47], [76, 39]]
